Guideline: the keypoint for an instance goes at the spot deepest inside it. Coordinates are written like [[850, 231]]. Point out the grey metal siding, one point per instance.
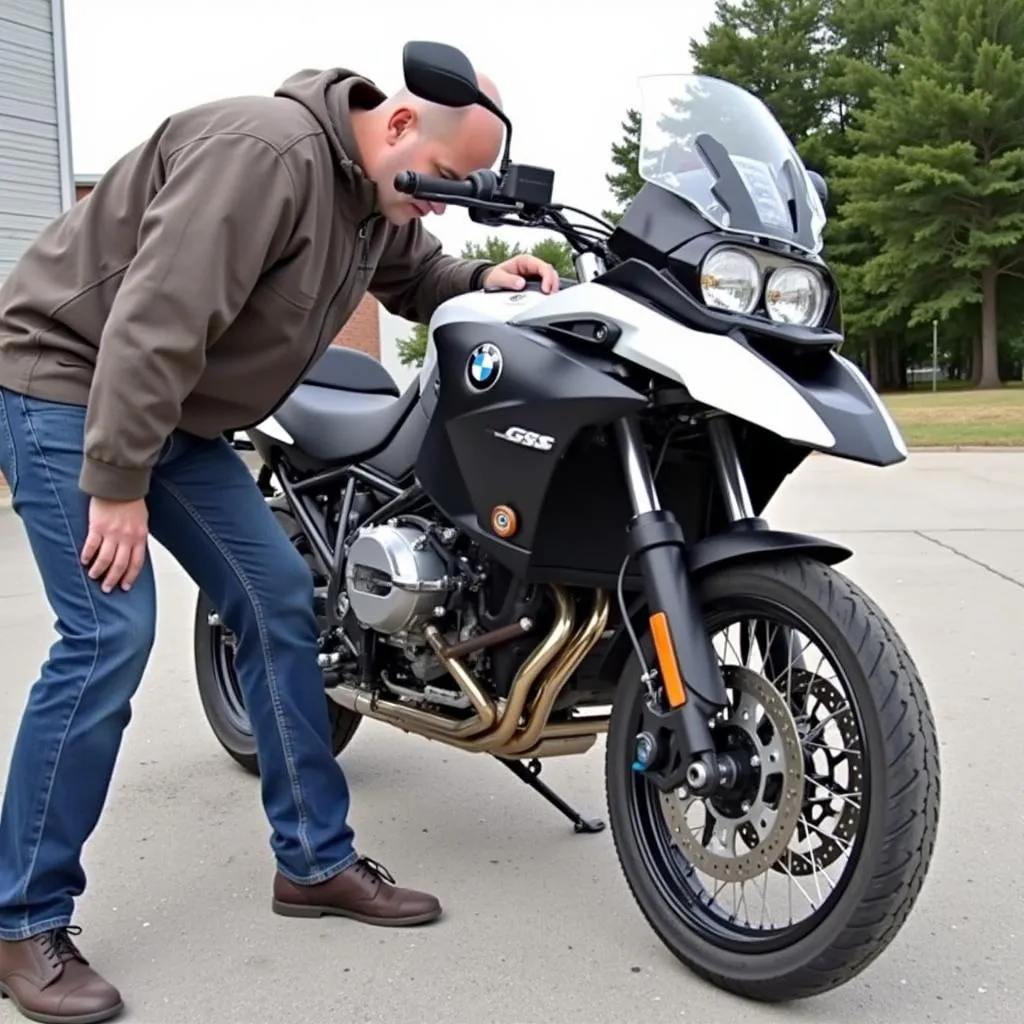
[[36, 180]]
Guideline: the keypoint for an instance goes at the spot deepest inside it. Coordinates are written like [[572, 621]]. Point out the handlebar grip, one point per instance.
[[414, 183], [478, 185]]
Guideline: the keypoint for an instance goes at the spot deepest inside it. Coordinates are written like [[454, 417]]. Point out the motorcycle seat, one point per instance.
[[337, 425], [351, 370]]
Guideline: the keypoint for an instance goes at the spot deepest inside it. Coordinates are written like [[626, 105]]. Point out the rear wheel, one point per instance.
[[790, 884], [220, 691]]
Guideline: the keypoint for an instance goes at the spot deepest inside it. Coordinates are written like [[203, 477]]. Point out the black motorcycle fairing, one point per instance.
[[659, 290], [503, 445], [806, 357], [848, 406]]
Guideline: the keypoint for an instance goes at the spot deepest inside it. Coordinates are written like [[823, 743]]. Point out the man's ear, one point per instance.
[[400, 123]]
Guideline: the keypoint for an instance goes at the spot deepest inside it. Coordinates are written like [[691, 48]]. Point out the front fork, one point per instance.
[[675, 746]]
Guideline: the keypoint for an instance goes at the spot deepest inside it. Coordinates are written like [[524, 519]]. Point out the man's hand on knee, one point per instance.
[[116, 544]]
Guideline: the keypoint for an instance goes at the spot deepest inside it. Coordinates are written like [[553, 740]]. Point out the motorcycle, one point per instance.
[[555, 533]]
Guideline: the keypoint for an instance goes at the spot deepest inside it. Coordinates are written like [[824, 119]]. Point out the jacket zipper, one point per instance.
[[364, 237], [362, 234]]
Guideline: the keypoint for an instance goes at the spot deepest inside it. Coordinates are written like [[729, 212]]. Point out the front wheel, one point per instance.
[[792, 882]]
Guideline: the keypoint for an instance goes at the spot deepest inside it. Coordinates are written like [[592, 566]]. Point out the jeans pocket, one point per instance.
[[8, 453], [54, 429]]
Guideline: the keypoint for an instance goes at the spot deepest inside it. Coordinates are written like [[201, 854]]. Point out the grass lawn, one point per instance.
[[960, 417]]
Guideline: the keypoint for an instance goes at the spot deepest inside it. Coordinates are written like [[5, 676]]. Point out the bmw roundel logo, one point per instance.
[[484, 367]]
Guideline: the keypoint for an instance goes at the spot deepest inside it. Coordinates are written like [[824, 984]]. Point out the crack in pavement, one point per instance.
[[970, 558], [894, 530]]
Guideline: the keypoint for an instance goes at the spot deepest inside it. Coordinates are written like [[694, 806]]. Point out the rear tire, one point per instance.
[[893, 841], [220, 694]]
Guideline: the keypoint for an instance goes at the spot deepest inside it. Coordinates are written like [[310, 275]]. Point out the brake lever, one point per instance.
[[492, 219]]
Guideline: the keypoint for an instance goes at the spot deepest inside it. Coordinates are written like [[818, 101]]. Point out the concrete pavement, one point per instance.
[[539, 923]]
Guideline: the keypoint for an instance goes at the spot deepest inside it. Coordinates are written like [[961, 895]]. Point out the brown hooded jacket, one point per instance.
[[208, 270]]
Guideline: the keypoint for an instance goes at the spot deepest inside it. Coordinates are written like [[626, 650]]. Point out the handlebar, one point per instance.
[[478, 185], [519, 196]]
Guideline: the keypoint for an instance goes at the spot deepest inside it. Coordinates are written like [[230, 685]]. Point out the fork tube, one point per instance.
[[690, 680], [588, 266], [639, 478], [729, 470]]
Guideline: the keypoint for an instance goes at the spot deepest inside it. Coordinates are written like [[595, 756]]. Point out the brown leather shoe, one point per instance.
[[364, 892], [49, 980]]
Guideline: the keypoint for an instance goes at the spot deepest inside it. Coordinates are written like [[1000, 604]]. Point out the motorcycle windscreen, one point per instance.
[[719, 148]]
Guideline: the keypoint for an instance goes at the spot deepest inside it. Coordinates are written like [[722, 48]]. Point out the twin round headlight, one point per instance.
[[731, 279]]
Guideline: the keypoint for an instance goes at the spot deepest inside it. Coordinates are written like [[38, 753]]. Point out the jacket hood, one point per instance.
[[330, 96]]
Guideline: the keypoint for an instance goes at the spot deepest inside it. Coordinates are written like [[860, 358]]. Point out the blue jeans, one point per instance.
[[206, 509]]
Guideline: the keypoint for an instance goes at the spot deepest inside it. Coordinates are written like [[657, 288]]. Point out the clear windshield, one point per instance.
[[719, 148]]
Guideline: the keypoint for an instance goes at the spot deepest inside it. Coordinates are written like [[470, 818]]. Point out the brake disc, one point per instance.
[[748, 829], [825, 845]]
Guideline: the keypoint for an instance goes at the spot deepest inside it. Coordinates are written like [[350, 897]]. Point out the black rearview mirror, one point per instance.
[[439, 73]]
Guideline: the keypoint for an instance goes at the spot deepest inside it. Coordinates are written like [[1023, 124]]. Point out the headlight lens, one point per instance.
[[731, 280], [796, 295]]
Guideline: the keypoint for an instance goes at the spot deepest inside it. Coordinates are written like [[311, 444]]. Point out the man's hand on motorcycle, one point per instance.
[[512, 274], [116, 544]]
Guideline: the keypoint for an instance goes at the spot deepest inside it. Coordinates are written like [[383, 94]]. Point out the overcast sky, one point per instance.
[[567, 70]]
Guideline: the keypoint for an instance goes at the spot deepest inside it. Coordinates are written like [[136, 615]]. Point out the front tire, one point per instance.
[[893, 781], [219, 689]]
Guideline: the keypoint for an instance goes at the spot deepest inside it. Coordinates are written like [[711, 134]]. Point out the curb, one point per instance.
[[967, 449]]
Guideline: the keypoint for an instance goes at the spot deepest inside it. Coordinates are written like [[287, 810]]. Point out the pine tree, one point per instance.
[[937, 180], [776, 49], [626, 181]]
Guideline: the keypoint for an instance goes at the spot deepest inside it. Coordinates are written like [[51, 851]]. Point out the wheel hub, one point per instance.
[[748, 825]]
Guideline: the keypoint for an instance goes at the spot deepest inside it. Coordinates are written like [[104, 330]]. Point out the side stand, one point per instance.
[[528, 773]]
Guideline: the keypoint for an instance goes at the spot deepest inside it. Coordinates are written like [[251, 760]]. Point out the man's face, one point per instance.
[[410, 145]]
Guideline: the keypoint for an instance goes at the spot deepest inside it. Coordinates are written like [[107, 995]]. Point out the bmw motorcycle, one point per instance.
[[555, 534]]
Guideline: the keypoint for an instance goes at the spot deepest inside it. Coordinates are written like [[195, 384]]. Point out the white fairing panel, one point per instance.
[[273, 429], [472, 307], [475, 307], [715, 369]]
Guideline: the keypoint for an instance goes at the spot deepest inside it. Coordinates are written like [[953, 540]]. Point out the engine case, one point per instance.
[[393, 578]]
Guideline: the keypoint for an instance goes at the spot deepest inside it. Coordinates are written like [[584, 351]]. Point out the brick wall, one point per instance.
[[363, 329], [362, 332]]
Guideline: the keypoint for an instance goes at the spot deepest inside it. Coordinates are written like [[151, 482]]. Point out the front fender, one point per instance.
[[748, 544], [745, 544]]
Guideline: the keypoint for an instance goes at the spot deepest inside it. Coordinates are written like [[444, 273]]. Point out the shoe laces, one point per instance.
[[378, 871], [58, 946]]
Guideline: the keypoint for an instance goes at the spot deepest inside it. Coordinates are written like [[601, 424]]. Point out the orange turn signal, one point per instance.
[[667, 661]]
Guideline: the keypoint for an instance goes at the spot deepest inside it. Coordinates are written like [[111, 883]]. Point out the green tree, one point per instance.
[[412, 349], [777, 49], [938, 174], [626, 181]]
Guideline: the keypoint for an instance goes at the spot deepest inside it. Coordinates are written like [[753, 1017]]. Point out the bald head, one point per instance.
[[437, 121], [408, 133]]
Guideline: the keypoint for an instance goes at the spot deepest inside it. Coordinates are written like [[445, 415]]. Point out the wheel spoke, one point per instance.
[[796, 810]]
